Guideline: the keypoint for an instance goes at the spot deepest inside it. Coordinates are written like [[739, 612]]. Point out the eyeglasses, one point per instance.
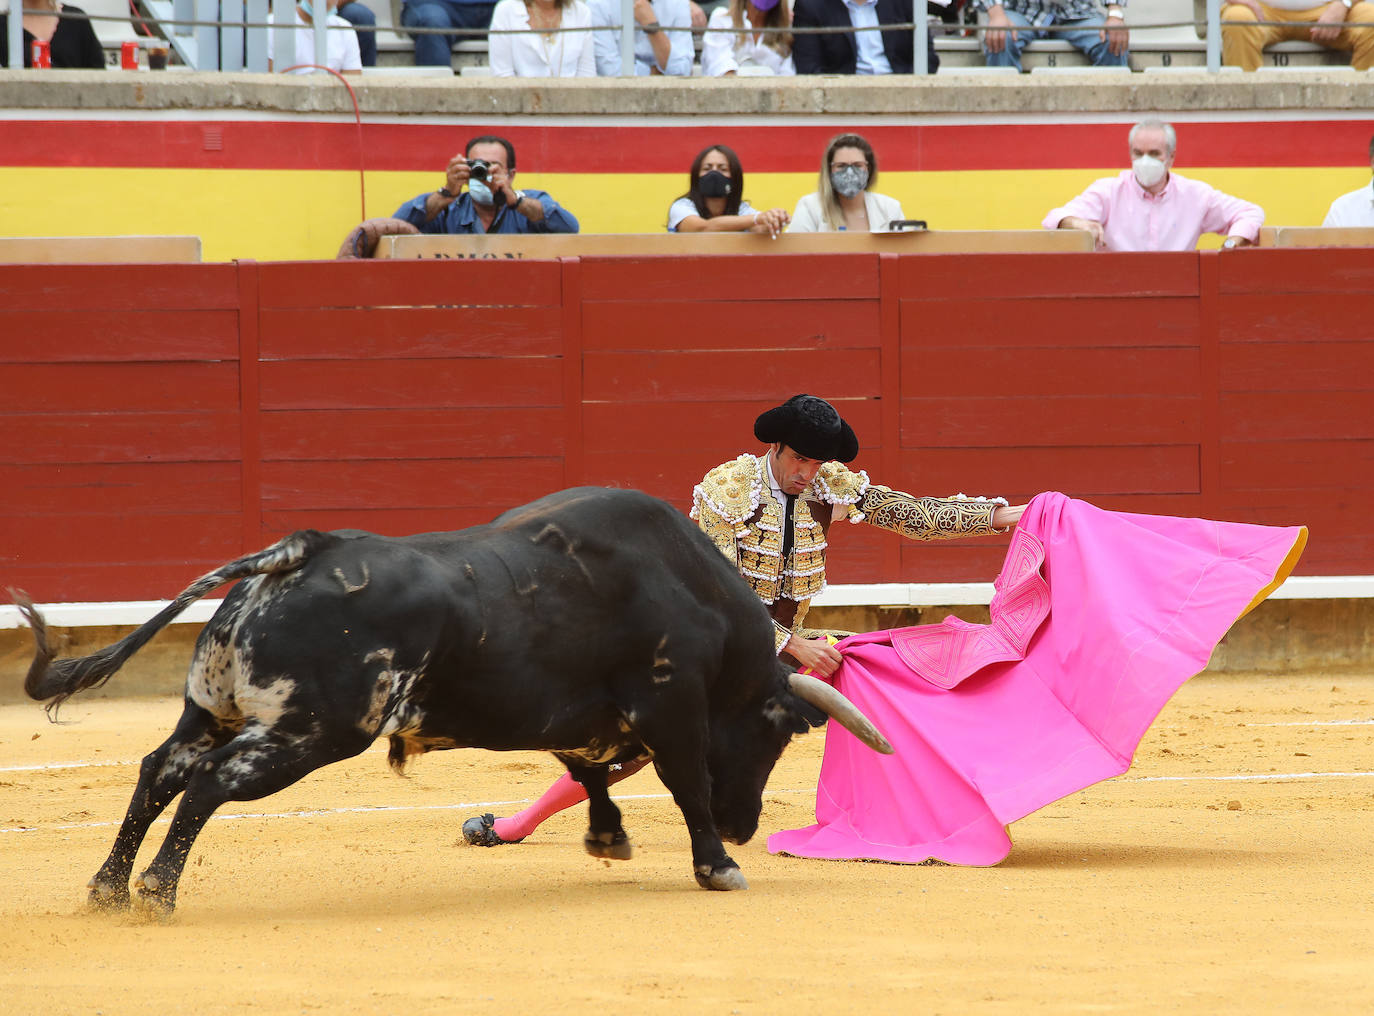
[[837, 166]]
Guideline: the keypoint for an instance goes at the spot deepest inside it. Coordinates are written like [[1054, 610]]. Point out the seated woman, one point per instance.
[[725, 53], [342, 52], [546, 52], [842, 200], [71, 40], [714, 202]]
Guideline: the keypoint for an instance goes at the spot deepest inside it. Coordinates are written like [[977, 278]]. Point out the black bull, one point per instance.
[[600, 625]]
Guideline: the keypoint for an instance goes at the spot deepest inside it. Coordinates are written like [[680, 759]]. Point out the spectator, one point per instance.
[[491, 203], [1104, 40], [862, 52], [1148, 207], [725, 53], [547, 52], [714, 202], [470, 18], [1243, 41], [1357, 207], [342, 44], [663, 37], [72, 42], [843, 201], [364, 23]]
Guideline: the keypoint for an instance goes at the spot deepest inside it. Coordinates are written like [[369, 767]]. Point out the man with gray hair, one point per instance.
[[1149, 207], [1355, 208]]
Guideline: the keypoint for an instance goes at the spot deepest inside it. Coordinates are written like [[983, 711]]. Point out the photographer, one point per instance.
[[479, 196]]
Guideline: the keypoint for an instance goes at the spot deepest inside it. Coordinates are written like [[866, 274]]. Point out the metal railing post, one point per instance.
[[321, 25], [255, 39], [15, 56], [283, 34], [627, 38], [207, 35], [231, 35], [1213, 36], [919, 34]]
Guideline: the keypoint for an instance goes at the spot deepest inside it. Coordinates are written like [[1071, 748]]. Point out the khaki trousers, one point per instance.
[[1243, 45]]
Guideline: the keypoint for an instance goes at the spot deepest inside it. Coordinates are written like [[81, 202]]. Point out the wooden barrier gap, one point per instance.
[[161, 419]]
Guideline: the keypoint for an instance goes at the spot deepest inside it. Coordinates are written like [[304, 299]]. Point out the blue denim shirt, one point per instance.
[[461, 217]]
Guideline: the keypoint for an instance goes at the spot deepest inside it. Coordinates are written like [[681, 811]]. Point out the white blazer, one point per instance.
[[808, 217], [568, 55]]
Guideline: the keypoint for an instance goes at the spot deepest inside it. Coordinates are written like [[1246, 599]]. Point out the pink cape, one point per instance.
[[1097, 619]]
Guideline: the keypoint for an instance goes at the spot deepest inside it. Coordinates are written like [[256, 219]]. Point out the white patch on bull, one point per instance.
[[213, 675], [596, 752], [265, 704], [777, 714], [663, 667], [349, 587]]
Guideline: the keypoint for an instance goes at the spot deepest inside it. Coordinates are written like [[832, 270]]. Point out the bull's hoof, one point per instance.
[[154, 901], [105, 897], [480, 831], [614, 845], [723, 878]]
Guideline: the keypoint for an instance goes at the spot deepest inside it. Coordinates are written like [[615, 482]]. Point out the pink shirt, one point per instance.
[[1173, 219]]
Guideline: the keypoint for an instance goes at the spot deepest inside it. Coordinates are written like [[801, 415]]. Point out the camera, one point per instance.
[[477, 169]]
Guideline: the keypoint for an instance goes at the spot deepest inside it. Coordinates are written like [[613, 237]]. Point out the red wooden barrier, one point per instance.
[[161, 419]]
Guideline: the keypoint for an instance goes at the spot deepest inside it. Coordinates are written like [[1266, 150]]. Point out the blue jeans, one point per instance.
[[1081, 36], [436, 50], [360, 16]]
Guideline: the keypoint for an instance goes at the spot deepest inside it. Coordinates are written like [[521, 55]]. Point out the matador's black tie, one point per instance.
[[787, 534]]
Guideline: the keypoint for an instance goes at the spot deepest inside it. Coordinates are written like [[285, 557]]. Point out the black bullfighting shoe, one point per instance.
[[480, 831]]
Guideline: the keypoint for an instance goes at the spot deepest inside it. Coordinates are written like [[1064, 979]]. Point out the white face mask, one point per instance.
[[1148, 170]]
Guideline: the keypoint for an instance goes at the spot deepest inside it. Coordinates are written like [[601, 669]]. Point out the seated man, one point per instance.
[[1148, 207], [1355, 208], [433, 49], [1243, 41], [491, 203], [663, 37], [870, 52], [364, 23], [1102, 39]]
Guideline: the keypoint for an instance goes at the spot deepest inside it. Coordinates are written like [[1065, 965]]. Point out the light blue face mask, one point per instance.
[[306, 8], [480, 192]]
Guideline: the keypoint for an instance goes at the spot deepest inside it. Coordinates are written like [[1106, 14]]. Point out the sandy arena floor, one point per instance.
[[1228, 872]]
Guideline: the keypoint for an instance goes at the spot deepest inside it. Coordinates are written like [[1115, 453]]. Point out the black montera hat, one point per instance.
[[810, 427]]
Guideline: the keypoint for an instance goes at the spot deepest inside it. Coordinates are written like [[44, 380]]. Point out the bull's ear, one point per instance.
[[787, 712]]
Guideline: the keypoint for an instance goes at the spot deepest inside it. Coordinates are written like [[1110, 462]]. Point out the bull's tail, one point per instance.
[[58, 680]]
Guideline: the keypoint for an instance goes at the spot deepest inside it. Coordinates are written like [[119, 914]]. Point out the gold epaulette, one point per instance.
[[838, 485], [731, 490]]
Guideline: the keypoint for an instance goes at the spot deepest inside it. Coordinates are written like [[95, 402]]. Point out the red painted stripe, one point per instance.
[[191, 144]]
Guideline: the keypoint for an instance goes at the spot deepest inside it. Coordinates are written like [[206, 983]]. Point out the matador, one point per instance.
[[771, 514]]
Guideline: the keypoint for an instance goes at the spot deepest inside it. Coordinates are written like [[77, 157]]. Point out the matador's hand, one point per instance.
[[817, 655]]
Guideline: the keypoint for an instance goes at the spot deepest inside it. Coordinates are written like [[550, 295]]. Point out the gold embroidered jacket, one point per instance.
[[736, 507]]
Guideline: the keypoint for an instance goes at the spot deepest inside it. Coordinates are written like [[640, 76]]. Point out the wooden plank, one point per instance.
[[118, 288], [1317, 236], [314, 284], [120, 387], [729, 324], [81, 581], [974, 560], [122, 250], [99, 336], [1300, 366], [1049, 276], [105, 487], [1123, 371], [1282, 416], [726, 277], [734, 374], [407, 433], [1032, 322], [707, 432], [433, 483], [62, 438], [364, 332], [1017, 474], [386, 521], [574, 446], [1041, 422], [379, 384], [119, 537], [250, 409], [1260, 270], [1310, 465], [527, 246], [1248, 318]]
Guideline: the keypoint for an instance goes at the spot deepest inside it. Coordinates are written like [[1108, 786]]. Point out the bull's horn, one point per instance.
[[833, 704]]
